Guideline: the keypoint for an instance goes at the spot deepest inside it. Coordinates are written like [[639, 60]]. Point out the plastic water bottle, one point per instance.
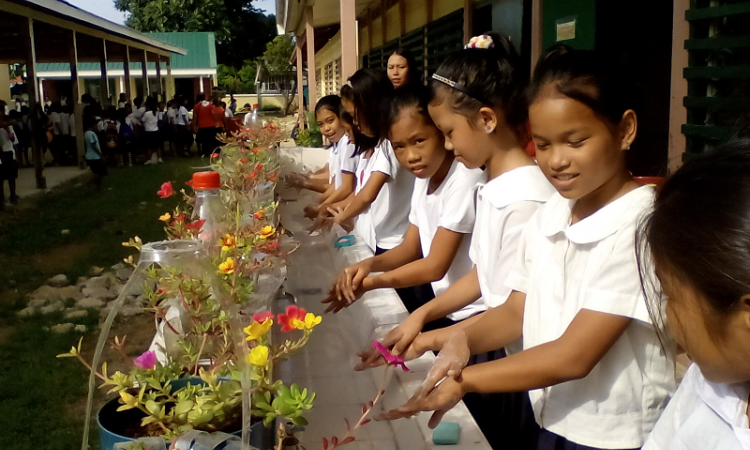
[[209, 207]]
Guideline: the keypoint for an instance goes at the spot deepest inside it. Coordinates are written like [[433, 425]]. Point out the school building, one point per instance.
[[191, 73], [691, 57]]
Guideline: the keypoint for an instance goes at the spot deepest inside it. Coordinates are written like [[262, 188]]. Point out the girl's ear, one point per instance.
[[487, 119], [628, 128]]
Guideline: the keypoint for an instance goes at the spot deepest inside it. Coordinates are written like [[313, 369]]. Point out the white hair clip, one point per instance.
[[482, 41]]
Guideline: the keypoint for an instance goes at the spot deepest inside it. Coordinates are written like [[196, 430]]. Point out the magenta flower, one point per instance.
[[390, 358], [166, 190], [146, 361], [261, 317]]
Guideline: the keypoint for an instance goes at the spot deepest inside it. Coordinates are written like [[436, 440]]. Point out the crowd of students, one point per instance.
[[555, 290]]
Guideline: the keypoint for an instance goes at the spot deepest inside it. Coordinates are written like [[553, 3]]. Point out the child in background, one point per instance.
[[441, 218], [94, 158], [127, 137], [593, 365], [702, 263], [8, 165]]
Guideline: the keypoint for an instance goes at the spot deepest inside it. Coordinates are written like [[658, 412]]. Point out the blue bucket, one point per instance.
[[115, 425]]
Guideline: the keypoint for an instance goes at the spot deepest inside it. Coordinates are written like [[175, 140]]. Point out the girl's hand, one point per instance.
[[296, 181], [449, 363], [371, 358], [337, 213], [321, 223], [350, 280], [311, 211], [335, 304], [441, 400]]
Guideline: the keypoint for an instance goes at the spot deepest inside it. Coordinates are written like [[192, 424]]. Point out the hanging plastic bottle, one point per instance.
[[209, 207]]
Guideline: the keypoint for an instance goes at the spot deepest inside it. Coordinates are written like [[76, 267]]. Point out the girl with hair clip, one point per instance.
[[383, 185], [440, 221], [702, 262], [593, 365], [477, 102]]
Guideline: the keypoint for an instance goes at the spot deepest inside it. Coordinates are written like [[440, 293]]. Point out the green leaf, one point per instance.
[[183, 407], [152, 407]]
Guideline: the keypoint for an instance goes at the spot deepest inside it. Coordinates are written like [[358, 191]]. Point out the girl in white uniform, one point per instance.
[[441, 218], [703, 262], [596, 373]]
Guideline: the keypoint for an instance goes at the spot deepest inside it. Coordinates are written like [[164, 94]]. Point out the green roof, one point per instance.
[[200, 46]]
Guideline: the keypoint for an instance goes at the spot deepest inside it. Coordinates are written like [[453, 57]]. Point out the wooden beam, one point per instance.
[[312, 85], [171, 89], [429, 7], [104, 91], [76, 100], [300, 87], [536, 32], [144, 74], [677, 143], [348, 39], [402, 16], [159, 90], [468, 20], [126, 67], [32, 87], [369, 29]]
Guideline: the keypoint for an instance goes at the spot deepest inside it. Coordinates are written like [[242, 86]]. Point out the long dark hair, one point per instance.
[[330, 103], [372, 91], [699, 232], [415, 75], [491, 77]]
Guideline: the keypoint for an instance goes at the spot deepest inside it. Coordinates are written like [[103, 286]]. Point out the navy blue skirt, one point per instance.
[[551, 441]]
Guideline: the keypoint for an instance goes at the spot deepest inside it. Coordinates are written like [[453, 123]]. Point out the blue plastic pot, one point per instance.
[[115, 426]]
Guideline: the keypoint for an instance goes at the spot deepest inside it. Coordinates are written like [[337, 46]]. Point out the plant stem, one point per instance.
[[88, 366], [198, 359]]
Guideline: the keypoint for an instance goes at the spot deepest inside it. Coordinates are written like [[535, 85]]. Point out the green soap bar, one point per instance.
[[446, 433]]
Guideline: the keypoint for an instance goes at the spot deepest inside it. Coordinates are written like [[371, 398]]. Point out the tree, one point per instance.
[[278, 69], [237, 81], [241, 30]]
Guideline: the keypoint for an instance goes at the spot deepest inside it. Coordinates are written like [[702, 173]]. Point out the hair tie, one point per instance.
[[482, 41]]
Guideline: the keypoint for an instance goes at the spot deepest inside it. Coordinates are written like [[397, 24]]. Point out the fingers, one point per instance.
[[358, 277], [437, 416], [369, 359]]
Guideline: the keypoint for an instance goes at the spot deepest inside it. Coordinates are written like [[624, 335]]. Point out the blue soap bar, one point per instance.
[[446, 433]]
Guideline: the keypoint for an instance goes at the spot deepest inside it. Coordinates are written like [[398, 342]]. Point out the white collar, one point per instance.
[[729, 402], [526, 183], [603, 223]]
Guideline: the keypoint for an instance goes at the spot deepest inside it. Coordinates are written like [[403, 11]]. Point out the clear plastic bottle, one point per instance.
[[209, 207]]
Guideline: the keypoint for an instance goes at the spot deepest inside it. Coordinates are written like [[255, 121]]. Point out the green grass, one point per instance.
[[37, 391]]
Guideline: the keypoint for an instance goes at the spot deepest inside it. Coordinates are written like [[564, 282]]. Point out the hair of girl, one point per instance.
[[709, 192], [417, 98], [372, 91], [477, 77], [347, 93], [415, 75], [329, 103], [593, 78]]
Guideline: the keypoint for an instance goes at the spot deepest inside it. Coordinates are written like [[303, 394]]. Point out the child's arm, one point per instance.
[[95, 146], [363, 200], [348, 183]]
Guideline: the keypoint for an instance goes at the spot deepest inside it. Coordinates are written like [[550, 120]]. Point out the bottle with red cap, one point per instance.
[[209, 207]]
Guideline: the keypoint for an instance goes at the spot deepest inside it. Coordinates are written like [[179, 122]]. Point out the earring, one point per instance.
[[628, 147], [489, 128]]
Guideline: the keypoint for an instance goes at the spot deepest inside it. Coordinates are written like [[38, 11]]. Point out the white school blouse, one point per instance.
[[334, 165], [591, 264], [449, 207], [703, 416], [385, 222], [504, 206], [347, 160]]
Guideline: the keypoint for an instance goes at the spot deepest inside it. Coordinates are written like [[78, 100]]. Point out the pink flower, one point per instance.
[[261, 317], [197, 225], [392, 359], [287, 320], [146, 361], [166, 190]]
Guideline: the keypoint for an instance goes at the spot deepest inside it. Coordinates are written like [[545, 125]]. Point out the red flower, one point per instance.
[[243, 151], [255, 150], [292, 313], [196, 225], [189, 183], [253, 175], [166, 190], [243, 160], [259, 167], [214, 155], [273, 176], [261, 317], [160, 291]]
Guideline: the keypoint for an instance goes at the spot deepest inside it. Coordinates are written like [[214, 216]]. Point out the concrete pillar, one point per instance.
[[128, 81], [300, 85], [104, 90], [159, 90], [348, 39], [144, 75], [312, 84], [171, 89], [468, 20], [41, 181], [536, 32], [5, 84], [75, 101]]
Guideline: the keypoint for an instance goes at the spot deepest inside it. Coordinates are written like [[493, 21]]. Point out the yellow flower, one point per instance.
[[258, 356], [227, 242], [227, 266], [267, 231], [311, 320], [165, 217], [257, 330]]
